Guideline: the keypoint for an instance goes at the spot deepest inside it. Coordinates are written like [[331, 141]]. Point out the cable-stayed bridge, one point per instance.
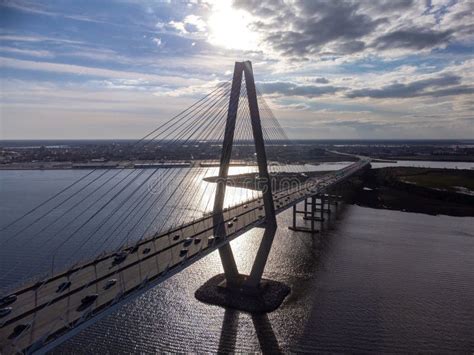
[[114, 233]]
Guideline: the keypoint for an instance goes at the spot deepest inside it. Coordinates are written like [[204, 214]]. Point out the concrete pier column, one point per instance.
[[329, 208], [306, 207], [225, 251], [262, 255], [322, 212], [294, 216]]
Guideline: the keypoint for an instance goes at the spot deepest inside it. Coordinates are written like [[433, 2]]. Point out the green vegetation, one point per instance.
[[421, 190], [444, 179]]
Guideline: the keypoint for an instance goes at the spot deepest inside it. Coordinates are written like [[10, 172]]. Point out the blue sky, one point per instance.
[[329, 69]]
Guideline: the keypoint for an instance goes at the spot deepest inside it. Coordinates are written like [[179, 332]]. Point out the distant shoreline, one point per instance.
[[174, 164], [114, 165], [420, 190]]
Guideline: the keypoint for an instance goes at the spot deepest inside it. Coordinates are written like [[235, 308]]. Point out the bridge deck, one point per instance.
[[49, 314]]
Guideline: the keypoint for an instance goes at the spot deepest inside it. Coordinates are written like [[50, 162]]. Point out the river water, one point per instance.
[[375, 280]]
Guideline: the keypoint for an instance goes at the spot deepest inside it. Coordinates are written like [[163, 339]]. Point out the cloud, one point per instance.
[[38, 10], [178, 26], [285, 88], [95, 54], [47, 110], [391, 5], [292, 107], [194, 23], [308, 28], [416, 38], [321, 80], [27, 52], [191, 24], [157, 41], [415, 89], [20, 38], [455, 91], [305, 30], [95, 72]]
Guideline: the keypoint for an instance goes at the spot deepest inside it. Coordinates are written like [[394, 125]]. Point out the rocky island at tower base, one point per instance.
[[267, 297]]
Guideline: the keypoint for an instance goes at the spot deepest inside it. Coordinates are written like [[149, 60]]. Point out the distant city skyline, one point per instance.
[[329, 69]]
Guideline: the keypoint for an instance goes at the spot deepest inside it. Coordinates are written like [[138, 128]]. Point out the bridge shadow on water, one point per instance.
[[263, 328]]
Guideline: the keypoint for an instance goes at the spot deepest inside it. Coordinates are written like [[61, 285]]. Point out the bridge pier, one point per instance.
[[316, 208], [311, 207]]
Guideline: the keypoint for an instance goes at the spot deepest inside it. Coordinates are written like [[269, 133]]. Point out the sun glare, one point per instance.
[[229, 28]]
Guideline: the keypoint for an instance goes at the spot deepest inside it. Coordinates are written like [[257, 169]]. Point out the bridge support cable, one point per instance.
[[92, 193], [279, 135], [139, 141], [164, 204], [189, 169], [184, 115], [191, 195], [179, 194], [183, 138], [210, 123], [186, 191], [268, 114], [186, 132], [215, 127], [244, 114], [191, 116]]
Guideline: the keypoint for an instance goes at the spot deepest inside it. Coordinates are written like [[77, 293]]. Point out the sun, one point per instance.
[[229, 27]]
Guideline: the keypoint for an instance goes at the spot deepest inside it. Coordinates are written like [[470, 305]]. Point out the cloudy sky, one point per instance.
[[330, 69]]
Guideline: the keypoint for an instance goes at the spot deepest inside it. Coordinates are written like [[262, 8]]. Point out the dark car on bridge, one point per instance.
[[110, 283], [87, 301], [18, 330], [63, 286], [5, 301], [5, 311]]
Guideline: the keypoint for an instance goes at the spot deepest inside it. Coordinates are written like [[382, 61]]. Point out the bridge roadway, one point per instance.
[[51, 316]]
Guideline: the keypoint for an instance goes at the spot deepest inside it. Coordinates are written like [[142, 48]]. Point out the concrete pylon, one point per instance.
[[225, 251]]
